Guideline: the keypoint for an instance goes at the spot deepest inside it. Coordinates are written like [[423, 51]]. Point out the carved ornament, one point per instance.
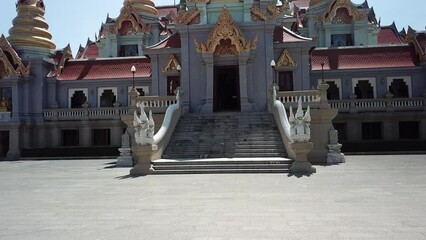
[[224, 29], [129, 14], [411, 38], [271, 12], [172, 64], [286, 60], [333, 6], [12, 63], [66, 55], [188, 17]]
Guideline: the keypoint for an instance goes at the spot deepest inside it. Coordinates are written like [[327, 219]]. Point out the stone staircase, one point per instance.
[[202, 143]]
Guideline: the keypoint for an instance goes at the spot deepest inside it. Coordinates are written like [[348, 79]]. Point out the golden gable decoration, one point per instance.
[[66, 55], [10, 63], [333, 6], [225, 28], [286, 60], [271, 12], [412, 39], [128, 14], [188, 17], [171, 65]]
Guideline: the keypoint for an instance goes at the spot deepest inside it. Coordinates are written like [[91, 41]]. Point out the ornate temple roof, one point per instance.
[[343, 58], [30, 29], [108, 68], [389, 35], [91, 50]]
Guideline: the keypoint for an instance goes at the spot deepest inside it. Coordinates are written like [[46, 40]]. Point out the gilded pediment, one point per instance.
[[188, 17], [66, 55], [225, 29], [172, 64], [129, 22], [286, 60], [10, 63], [334, 6]]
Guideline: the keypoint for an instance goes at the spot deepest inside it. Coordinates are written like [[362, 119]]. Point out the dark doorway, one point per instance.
[[173, 82], [226, 89], [285, 81], [4, 143]]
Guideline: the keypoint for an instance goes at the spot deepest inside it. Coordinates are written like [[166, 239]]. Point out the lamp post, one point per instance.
[[178, 68], [322, 72], [133, 69], [273, 70]]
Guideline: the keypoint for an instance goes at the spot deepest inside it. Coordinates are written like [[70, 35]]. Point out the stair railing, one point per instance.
[[281, 119]]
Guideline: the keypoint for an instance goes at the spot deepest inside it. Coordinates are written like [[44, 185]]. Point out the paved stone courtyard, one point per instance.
[[369, 197]]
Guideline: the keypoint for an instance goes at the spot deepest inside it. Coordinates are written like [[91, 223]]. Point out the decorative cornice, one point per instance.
[[333, 6], [225, 29], [286, 60], [188, 17], [12, 63], [128, 13], [171, 65]]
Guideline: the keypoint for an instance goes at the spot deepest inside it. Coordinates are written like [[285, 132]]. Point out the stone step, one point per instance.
[[240, 165]]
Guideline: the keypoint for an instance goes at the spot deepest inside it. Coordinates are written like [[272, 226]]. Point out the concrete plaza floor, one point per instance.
[[369, 197]]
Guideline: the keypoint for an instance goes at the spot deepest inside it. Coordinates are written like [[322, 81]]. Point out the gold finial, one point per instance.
[[142, 6]]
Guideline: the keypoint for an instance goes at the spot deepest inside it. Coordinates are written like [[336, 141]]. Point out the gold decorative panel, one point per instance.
[[171, 65], [224, 29]]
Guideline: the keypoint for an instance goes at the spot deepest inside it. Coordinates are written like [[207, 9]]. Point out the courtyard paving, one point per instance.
[[369, 197]]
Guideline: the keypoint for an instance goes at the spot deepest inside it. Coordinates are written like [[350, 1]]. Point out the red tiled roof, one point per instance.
[[165, 10], [112, 68], [388, 36], [364, 58], [58, 56], [171, 42], [90, 51], [282, 34]]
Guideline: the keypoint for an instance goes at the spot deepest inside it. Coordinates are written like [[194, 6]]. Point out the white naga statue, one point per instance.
[[300, 124], [144, 127]]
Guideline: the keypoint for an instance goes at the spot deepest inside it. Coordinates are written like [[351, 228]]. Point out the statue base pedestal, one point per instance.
[[335, 158], [142, 156], [301, 165], [125, 159]]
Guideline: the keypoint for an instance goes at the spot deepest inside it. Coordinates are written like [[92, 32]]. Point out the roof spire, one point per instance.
[[30, 28]]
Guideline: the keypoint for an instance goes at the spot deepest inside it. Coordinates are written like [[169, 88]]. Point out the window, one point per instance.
[[70, 138], [129, 50], [77, 97], [339, 40], [107, 97], [333, 91], [364, 89], [173, 82], [101, 137], [409, 130], [5, 99], [400, 87], [285, 81], [372, 130]]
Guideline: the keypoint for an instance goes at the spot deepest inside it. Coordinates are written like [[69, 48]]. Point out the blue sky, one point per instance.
[[74, 21]]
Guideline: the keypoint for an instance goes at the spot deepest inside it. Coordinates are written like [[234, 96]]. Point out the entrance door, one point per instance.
[[226, 89], [4, 143]]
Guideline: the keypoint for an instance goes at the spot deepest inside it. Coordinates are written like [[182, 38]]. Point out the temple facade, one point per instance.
[[224, 56]]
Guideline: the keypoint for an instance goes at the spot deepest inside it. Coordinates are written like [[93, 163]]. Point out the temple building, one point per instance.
[[224, 57]]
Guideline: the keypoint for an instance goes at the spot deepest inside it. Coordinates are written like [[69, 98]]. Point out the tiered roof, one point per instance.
[[108, 68]]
